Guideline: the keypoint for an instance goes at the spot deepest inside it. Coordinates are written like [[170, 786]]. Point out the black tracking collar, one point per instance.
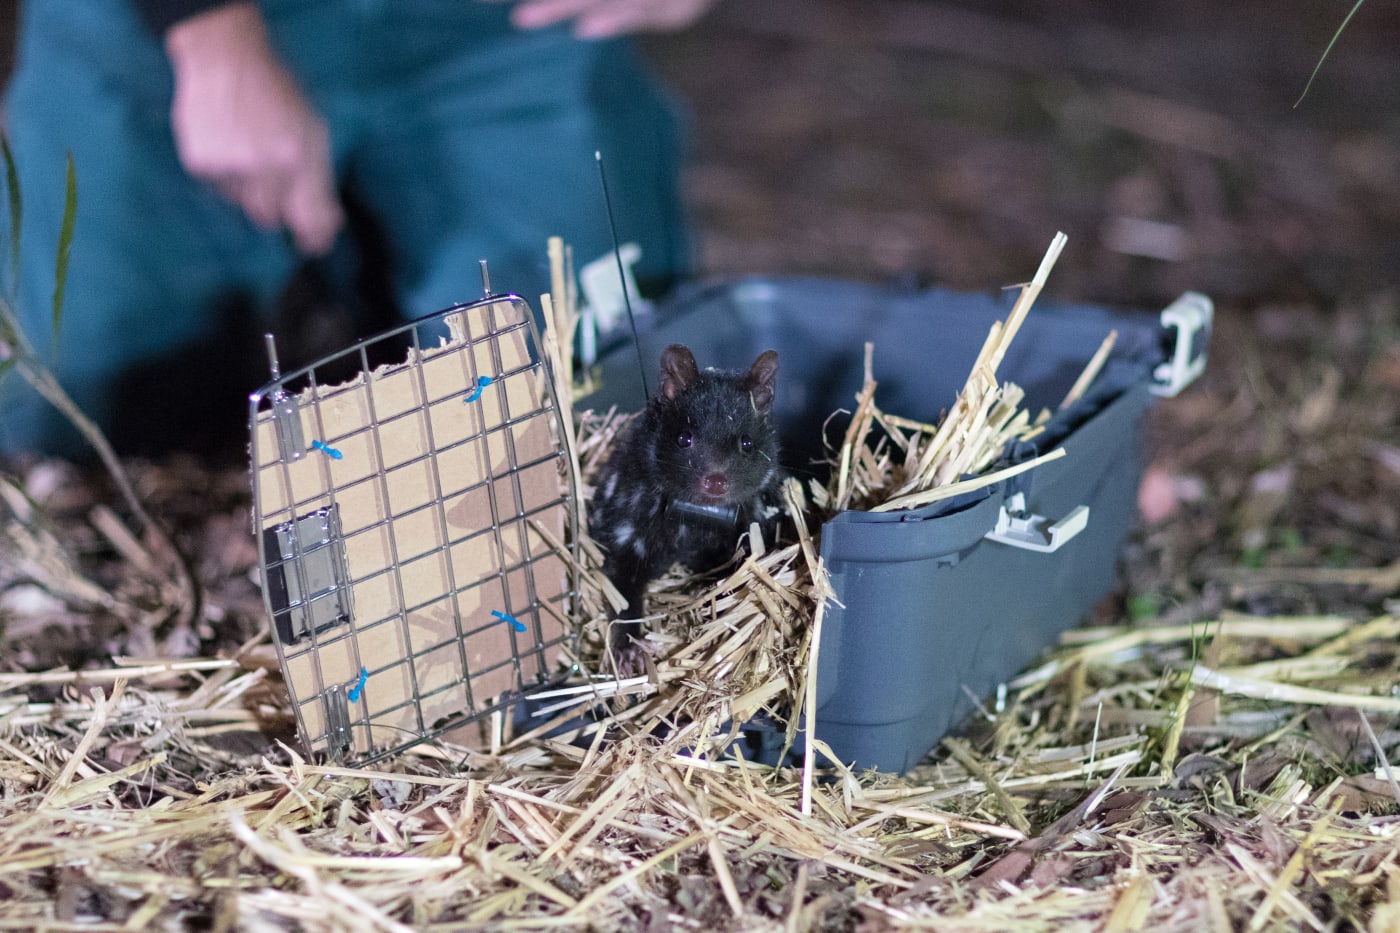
[[713, 514]]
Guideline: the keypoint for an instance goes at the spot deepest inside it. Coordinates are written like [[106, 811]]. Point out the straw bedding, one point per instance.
[[1075, 807]]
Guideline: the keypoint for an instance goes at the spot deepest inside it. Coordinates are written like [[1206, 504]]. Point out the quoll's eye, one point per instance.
[[746, 443], [684, 439]]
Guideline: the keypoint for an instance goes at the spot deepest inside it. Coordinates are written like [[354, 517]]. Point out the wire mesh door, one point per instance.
[[409, 526]]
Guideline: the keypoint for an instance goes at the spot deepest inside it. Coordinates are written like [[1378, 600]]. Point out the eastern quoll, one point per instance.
[[685, 480]]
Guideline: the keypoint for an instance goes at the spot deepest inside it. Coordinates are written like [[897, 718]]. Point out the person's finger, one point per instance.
[[621, 17], [606, 22], [241, 191], [261, 196], [535, 14], [312, 210]]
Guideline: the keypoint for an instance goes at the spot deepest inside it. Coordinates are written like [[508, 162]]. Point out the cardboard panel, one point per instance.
[[454, 419]]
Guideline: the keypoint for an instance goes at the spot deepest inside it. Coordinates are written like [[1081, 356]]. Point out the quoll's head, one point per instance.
[[717, 442]]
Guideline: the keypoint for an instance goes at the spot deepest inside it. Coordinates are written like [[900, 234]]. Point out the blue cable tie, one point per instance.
[[519, 626], [481, 383], [353, 694], [328, 450]]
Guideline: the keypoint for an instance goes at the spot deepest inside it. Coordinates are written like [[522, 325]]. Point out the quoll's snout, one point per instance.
[[714, 484]]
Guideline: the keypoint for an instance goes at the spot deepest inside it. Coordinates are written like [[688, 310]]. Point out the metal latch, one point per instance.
[[1018, 528], [308, 577], [1192, 316]]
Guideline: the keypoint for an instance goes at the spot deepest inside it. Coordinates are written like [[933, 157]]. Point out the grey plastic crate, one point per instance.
[[931, 612]]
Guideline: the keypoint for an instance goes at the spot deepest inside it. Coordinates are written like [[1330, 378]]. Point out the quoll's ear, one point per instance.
[[759, 381], [678, 370]]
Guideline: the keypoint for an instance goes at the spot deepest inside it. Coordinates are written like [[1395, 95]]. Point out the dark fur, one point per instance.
[[650, 467]]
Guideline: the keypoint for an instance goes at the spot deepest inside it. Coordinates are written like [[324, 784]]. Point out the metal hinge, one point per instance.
[[286, 419], [339, 738]]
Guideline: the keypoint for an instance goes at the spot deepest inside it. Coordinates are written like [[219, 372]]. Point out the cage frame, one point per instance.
[[542, 631]]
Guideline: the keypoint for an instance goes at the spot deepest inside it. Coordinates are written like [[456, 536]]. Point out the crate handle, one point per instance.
[[1019, 528], [1192, 316]]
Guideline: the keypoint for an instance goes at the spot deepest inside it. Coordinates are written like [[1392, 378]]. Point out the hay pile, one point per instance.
[[1074, 807], [1227, 774]]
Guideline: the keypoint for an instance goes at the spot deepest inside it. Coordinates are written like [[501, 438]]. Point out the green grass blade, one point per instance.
[[16, 208], [65, 242], [1335, 36]]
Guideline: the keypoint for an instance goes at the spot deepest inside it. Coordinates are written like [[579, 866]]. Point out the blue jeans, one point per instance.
[[464, 138]]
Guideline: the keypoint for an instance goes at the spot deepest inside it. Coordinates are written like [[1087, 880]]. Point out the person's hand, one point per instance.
[[242, 124], [599, 19]]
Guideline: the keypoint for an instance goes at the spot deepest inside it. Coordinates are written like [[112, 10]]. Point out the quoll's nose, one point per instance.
[[714, 484]]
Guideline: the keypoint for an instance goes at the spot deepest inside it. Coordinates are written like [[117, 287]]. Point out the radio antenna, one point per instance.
[[622, 274]]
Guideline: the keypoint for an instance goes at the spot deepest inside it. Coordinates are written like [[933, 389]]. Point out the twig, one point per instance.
[[1091, 370]]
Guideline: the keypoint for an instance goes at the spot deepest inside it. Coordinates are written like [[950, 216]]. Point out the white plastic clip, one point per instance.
[[603, 292], [1035, 532], [1190, 315]]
